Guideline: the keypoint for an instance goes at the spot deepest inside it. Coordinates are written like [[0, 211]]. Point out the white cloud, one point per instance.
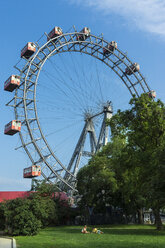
[[148, 15]]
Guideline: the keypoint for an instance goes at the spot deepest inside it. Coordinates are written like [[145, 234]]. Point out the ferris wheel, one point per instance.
[[67, 85]]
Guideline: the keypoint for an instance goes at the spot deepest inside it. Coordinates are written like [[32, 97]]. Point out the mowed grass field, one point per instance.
[[116, 236]]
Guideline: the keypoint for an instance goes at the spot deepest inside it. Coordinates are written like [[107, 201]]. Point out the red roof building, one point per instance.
[[10, 195]]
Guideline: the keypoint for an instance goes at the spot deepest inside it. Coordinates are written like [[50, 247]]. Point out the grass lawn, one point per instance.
[[116, 236]]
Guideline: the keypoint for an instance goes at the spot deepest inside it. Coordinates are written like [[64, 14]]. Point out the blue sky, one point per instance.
[[137, 26]]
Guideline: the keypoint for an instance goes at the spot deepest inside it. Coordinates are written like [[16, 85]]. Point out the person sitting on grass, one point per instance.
[[99, 232], [84, 230], [95, 230]]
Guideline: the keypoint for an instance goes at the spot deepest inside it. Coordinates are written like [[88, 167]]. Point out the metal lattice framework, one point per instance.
[[24, 101]]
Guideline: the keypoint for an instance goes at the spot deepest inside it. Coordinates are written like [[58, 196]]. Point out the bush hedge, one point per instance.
[[27, 216]]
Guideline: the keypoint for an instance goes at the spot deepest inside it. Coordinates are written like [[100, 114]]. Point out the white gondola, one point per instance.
[[85, 33], [152, 94], [12, 127], [12, 83], [133, 68], [28, 50], [56, 31], [110, 47], [32, 171]]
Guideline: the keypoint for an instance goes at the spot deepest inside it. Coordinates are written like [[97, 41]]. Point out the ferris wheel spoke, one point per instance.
[[84, 90], [68, 88], [71, 89], [82, 81]]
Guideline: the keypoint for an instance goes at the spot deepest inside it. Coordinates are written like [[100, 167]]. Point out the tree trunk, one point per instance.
[[158, 222], [140, 216]]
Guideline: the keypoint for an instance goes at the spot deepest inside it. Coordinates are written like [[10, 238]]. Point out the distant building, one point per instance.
[[10, 195]]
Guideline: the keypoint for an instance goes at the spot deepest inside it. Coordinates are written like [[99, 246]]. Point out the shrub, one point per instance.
[[44, 208], [20, 219]]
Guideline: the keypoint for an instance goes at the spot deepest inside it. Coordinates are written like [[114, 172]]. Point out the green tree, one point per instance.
[[20, 220], [45, 188], [133, 162], [96, 182], [143, 127], [59, 211], [44, 209], [109, 179], [41, 208]]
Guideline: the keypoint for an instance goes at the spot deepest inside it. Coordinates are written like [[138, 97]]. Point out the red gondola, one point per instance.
[[133, 68], [12, 127], [110, 47], [56, 31], [28, 50], [11, 83], [85, 34], [32, 171]]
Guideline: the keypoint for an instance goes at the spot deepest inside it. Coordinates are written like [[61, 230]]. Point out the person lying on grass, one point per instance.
[[95, 230], [84, 230]]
